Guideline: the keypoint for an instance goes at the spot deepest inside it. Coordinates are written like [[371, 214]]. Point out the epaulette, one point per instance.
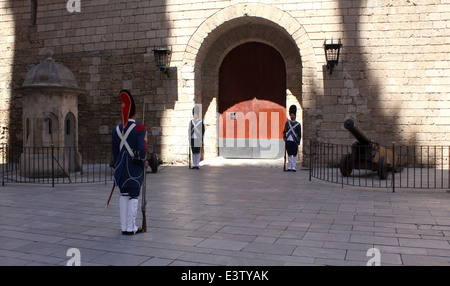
[[140, 127]]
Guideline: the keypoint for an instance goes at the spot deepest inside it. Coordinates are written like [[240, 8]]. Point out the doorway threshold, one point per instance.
[[262, 163]]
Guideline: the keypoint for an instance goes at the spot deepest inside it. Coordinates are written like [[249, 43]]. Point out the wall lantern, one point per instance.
[[332, 54], [162, 59]]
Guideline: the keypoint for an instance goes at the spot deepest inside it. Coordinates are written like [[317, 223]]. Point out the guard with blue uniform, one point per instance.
[[292, 136], [129, 148], [197, 133]]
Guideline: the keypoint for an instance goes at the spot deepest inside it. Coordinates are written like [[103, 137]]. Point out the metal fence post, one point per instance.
[[310, 158], [342, 154], [3, 163], [393, 167], [53, 167]]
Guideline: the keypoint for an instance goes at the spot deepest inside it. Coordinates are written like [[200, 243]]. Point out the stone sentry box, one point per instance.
[[50, 120]]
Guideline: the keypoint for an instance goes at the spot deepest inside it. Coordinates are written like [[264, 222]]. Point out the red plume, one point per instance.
[[126, 100]]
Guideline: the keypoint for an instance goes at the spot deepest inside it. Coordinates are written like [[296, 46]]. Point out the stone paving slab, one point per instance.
[[226, 215]]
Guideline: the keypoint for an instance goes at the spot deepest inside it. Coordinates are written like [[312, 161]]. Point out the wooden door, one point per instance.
[[252, 85]]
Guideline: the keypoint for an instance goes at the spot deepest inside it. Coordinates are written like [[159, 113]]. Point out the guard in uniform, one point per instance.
[[292, 135], [196, 131], [129, 148]]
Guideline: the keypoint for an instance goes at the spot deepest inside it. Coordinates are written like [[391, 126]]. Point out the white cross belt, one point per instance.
[[196, 126], [291, 129], [123, 139]]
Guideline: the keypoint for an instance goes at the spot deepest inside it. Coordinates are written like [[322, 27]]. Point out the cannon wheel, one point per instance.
[[382, 168], [346, 166], [153, 162]]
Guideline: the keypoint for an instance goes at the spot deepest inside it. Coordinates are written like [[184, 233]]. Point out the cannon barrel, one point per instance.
[[362, 138]]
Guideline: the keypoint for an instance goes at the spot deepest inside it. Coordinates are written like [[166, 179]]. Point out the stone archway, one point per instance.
[[234, 26]]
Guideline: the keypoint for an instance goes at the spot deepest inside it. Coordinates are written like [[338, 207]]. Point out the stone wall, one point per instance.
[[393, 78]]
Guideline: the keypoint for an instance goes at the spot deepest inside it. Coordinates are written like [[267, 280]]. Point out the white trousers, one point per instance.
[[292, 162], [128, 213], [196, 159]]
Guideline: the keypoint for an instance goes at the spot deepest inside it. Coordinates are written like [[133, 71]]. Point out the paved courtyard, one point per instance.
[[226, 215]]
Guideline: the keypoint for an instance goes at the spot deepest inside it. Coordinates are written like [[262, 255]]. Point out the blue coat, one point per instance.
[[199, 132], [129, 174], [297, 131]]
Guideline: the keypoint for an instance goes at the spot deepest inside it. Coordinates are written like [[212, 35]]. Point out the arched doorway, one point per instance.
[[221, 34], [251, 102]]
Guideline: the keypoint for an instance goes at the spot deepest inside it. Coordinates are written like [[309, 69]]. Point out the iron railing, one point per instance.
[[54, 165], [424, 167]]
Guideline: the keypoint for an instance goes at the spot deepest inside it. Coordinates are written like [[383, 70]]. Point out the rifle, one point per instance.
[[189, 156], [189, 144], [284, 165], [144, 201], [144, 184], [110, 195]]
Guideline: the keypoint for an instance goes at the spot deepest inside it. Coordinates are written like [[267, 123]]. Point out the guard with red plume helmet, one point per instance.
[[129, 148]]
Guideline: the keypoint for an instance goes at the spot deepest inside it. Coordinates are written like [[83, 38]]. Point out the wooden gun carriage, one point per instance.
[[368, 155]]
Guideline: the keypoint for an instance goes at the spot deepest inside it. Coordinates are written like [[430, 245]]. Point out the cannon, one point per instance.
[[367, 154]]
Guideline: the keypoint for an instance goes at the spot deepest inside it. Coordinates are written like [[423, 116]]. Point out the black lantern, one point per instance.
[[162, 59], [332, 54]]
